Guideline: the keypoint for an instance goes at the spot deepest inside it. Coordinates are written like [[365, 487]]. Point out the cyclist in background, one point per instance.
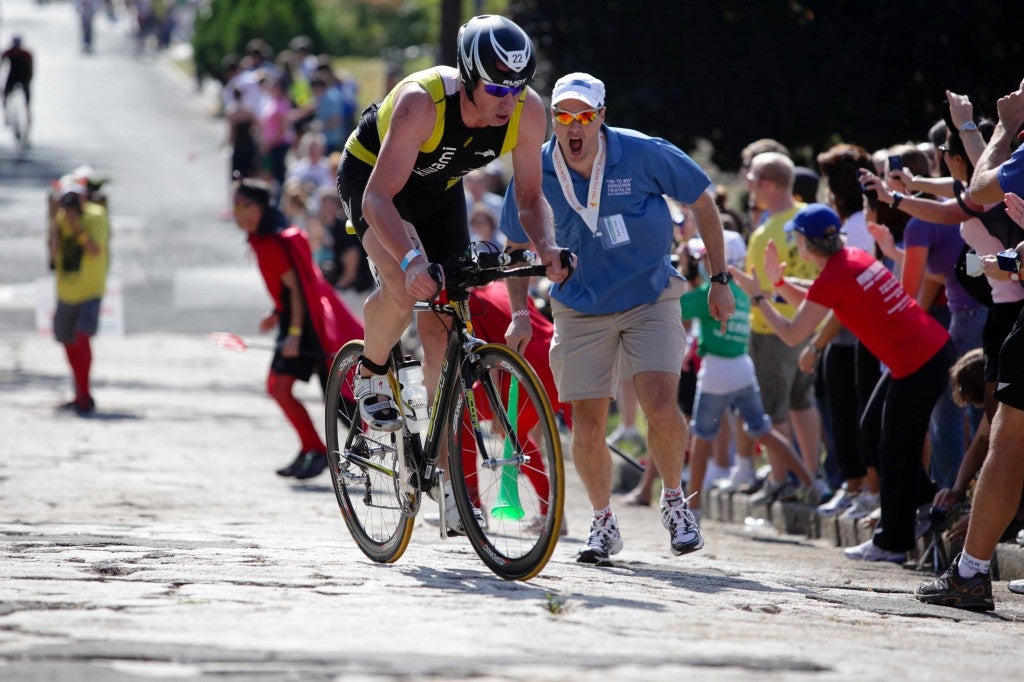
[[400, 180], [18, 73]]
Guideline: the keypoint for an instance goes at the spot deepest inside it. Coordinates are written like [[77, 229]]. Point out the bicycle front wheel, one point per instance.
[[505, 456], [364, 466]]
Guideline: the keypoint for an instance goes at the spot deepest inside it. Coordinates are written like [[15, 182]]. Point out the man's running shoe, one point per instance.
[[376, 402], [603, 542], [840, 502], [869, 551], [684, 533], [950, 589]]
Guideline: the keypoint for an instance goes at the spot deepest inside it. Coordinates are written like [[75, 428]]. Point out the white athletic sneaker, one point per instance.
[[840, 502], [863, 505], [714, 474], [737, 478], [684, 532], [604, 541], [869, 551]]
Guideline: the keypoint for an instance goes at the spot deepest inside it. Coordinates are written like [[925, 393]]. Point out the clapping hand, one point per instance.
[[1015, 208]]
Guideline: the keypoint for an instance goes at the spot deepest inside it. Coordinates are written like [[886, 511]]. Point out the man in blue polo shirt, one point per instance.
[[606, 188]]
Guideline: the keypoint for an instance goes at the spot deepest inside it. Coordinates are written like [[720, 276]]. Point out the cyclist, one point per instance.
[[400, 180], [18, 73]]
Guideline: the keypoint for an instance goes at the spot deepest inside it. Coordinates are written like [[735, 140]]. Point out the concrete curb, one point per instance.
[[799, 519]]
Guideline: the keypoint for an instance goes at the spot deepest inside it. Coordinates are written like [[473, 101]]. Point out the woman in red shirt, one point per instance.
[[914, 348]]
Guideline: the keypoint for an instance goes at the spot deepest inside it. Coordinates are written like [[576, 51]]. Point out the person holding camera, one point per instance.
[[79, 252], [967, 583], [870, 302]]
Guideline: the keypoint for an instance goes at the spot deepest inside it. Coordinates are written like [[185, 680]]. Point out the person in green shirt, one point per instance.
[[726, 381]]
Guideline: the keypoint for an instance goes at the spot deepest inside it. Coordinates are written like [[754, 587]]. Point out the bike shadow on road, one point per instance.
[[697, 581]]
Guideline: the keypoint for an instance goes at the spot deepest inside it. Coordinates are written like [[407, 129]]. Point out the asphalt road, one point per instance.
[[154, 540]]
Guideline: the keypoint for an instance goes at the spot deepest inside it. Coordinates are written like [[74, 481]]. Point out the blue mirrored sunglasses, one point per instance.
[[502, 90]]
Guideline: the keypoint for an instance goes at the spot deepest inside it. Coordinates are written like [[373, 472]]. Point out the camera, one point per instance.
[[937, 516], [1009, 261], [895, 163]]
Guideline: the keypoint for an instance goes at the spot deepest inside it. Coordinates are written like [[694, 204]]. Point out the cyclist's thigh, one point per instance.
[[439, 217]]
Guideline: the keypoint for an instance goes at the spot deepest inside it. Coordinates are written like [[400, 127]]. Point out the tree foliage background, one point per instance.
[[810, 73], [806, 72]]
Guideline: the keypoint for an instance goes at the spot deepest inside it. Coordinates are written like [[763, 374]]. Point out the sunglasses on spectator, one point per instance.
[[496, 90], [585, 117], [943, 149]]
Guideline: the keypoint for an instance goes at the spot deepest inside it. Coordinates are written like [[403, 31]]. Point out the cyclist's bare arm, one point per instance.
[[411, 124], [534, 211]]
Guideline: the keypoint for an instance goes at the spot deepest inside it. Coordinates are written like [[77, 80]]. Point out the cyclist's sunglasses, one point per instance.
[[496, 90], [585, 117]]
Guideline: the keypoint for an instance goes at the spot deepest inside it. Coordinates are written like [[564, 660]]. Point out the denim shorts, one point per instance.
[[708, 409]]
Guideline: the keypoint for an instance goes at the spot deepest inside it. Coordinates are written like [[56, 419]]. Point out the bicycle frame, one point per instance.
[[461, 345]]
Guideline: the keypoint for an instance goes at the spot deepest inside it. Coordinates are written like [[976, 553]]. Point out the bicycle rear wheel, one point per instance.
[[508, 464], [364, 466]]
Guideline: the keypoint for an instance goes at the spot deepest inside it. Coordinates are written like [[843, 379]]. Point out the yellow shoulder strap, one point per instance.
[[433, 83], [512, 134]]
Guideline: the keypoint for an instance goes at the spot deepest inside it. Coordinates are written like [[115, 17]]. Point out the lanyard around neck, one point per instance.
[[590, 212]]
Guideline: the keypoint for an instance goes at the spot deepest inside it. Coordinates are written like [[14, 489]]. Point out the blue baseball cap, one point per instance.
[[816, 221]]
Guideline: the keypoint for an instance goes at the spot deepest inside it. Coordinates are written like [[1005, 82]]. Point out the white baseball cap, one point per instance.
[[581, 86]]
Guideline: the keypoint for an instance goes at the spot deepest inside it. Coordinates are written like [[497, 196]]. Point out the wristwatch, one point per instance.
[[968, 125], [897, 197], [721, 278]]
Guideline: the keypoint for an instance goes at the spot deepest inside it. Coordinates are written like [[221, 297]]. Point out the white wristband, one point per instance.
[[520, 313], [409, 258]]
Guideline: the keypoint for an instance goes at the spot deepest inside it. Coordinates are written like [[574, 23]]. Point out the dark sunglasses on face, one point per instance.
[[496, 90], [585, 117]]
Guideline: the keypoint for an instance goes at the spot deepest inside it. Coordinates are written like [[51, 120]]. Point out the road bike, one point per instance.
[[490, 413], [17, 116]]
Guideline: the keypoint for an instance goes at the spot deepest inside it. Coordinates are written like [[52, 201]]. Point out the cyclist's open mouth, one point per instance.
[[575, 146]]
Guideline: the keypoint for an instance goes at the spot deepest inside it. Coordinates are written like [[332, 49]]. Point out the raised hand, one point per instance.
[[883, 237], [773, 267]]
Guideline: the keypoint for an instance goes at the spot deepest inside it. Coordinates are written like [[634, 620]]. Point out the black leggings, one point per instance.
[[896, 419]]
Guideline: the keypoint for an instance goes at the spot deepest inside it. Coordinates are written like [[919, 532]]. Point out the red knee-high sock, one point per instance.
[[279, 386], [79, 354]]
